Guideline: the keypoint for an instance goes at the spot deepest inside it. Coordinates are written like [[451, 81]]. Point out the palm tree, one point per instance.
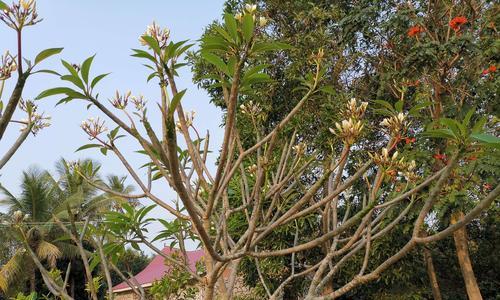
[[36, 204], [42, 197]]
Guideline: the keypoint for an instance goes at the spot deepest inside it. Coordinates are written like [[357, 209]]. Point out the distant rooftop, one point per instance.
[[157, 269]]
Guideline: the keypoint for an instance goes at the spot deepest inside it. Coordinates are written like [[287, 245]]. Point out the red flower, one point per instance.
[[472, 157], [487, 186], [456, 22], [491, 69], [439, 156], [414, 30], [409, 140]]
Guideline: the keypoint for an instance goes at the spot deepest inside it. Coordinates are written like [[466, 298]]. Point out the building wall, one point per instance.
[[126, 295]]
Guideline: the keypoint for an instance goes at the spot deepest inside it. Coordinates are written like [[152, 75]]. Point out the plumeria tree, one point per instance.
[[257, 187], [18, 16]]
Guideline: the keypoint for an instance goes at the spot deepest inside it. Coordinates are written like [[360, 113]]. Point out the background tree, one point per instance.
[[43, 197], [380, 50]]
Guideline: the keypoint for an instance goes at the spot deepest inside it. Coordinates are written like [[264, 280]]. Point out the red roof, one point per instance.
[[157, 268]]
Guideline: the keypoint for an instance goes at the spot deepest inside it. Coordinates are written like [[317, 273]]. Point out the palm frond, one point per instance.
[[48, 252], [9, 200], [12, 269]]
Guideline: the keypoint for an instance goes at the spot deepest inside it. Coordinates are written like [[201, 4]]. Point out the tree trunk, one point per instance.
[[460, 237], [431, 272], [32, 282]]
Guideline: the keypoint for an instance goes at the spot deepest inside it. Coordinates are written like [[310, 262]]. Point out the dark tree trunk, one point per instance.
[[460, 238], [431, 272]]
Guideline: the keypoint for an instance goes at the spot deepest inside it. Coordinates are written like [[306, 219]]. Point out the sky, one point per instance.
[[109, 29]]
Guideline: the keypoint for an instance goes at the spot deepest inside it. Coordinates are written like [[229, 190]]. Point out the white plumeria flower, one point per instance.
[[251, 8]]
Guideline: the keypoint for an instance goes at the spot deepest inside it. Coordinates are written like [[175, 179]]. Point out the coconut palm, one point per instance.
[[42, 197], [34, 206]]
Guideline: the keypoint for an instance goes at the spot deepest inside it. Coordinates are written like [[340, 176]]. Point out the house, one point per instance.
[[153, 272], [157, 269]]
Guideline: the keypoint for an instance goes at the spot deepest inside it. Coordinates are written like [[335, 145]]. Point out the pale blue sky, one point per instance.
[[109, 28]]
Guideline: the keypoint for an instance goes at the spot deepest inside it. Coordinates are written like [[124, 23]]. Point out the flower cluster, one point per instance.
[[251, 9], [354, 110], [317, 57], [139, 102], [457, 22], [351, 128], [7, 65], [300, 148], [396, 125], [18, 216], [252, 169], [415, 30], [251, 109], [384, 159], [348, 131], [93, 127], [156, 32], [39, 122], [189, 117], [490, 70], [393, 165], [35, 121], [21, 14], [441, 157], [120, 101], [409, 171]]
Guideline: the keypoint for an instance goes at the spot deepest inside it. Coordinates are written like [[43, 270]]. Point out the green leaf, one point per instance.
[[231, 26], [384, 104], [153, 43], [440, 133], [54, 91], [48, 72], [151, 76], [75, 80], [328, 89], [70, 68], [254, 70], [414, 110], [144, 211], [453, 125], [46, 53], [257, 78], [97, 79], [114, 132], [486, 139], [88, 146], [104, 150], [468, 117], [399, 106], [143, 54], [478, 127], [224, 33], [214, 43], [215, 60], [3, 5], [86, 68], [248, 27], [175, 101]]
